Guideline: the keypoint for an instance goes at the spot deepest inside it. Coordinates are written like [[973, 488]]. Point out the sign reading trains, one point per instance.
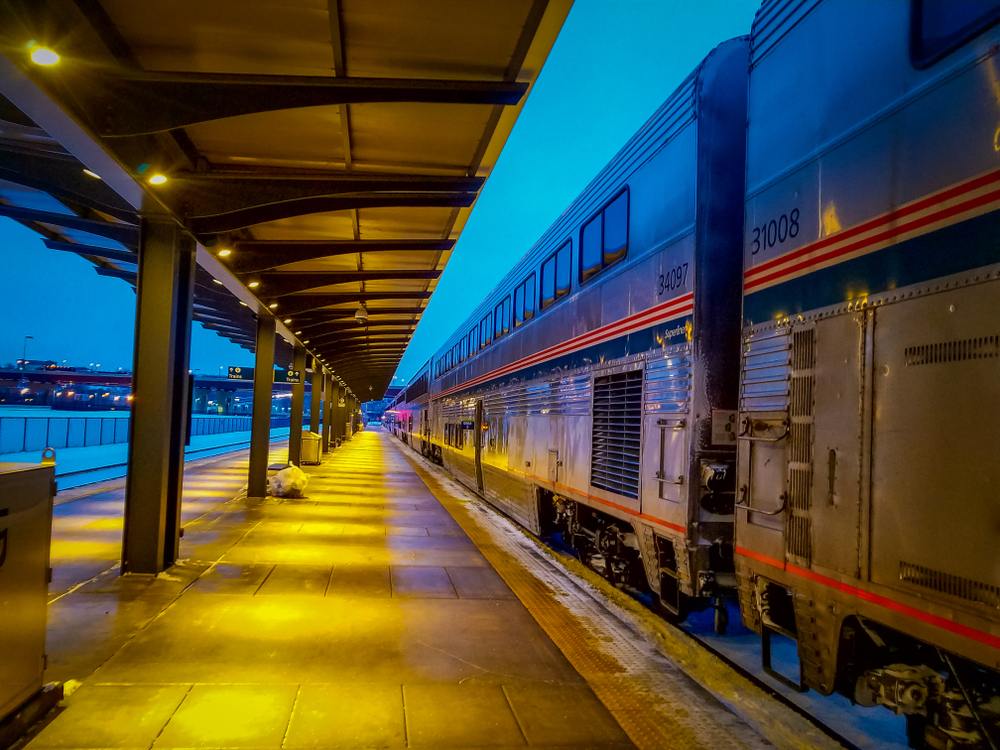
[[241, 373], [281, 375]]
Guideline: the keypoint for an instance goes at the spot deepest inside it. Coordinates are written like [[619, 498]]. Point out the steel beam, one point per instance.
[[298, 403], [260, 422], [159, 384], [131, 101], [328, 392], [301, 303], [124, 256], [127, 234], [316, 396], [281, 283], [248, 217], [262, 255]]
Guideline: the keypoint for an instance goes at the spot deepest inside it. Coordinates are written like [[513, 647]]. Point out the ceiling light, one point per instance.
[[306, 341], [157, 179], [298, 332], [244, 303], [225, 252], [286, 320], [42, 56], [253, 284], [217, 282], [272, 305], [92, 174]]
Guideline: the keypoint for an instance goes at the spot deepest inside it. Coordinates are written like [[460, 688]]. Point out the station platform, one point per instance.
[[378, 611]]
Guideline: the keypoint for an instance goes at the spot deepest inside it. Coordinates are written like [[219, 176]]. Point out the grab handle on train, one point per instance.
[[744, 504], [746, 433]]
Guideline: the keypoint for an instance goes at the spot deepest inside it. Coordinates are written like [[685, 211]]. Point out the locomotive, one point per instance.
[[758, 354]]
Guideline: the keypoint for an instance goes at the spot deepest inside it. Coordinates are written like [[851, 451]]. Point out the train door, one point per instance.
[[480, 434], [425, 432]]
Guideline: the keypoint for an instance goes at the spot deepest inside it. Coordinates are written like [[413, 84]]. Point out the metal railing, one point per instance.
[[24, 434]]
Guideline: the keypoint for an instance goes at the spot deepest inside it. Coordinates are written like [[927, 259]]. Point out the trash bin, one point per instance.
[[310, 447]]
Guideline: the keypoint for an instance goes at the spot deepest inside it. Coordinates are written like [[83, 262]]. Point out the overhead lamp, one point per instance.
[[157, 179], [253, 284], [91, 174], [244, 303], [43, 56], [217, 282], [287, 320], [361, 315], [225, 252], [272, 305], [298, 332], [306, 341]]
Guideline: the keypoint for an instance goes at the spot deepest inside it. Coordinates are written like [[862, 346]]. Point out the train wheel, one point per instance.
[[721, 616]]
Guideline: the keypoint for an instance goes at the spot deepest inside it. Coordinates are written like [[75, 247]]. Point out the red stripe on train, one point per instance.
[[882, 601]]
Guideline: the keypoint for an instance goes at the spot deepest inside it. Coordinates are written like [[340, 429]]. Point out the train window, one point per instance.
[[555, 276], [447, 364], [506, 314], [473, 341], [464, 352], [604, 239], [590, 248], [524, 301], [938, 28], [486, 331], [501, 318]]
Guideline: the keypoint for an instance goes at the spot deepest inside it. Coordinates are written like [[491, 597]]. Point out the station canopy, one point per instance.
[[325, 154]]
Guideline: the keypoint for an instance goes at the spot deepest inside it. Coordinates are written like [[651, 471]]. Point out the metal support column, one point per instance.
[[298, 401], [327, 409], [260, 421], [159, 384], [316, 396], [335, 394]]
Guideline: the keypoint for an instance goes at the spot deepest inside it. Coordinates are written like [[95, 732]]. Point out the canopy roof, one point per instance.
[[334, 147]]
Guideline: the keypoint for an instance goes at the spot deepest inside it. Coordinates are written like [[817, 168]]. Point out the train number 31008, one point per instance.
[[775, 231], [672, 279]]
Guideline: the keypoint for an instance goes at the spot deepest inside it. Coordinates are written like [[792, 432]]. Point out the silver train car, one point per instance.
[[868, 513], [593, 394]]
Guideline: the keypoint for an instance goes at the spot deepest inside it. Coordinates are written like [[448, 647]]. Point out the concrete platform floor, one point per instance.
[[360, 616]]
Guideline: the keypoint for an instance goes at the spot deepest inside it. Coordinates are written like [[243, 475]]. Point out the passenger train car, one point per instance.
[[605, 389], [868, 513], [594, 392]]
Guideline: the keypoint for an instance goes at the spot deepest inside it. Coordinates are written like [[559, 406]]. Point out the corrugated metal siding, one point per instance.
[[773, 22], [668, 383], [563, 397]]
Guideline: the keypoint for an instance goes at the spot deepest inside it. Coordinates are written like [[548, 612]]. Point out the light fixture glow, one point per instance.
[[287, 320], [157, 179], [298, 332], [225, 252], [217, 282], [42, 56], [272, 305], [92, 174], [253, 284], [244, 303]]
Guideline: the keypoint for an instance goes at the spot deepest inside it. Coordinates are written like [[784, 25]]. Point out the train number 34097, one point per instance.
[[775, 231], [672, 279]]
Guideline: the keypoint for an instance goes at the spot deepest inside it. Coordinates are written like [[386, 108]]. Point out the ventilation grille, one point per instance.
[[946, 583], [984, 347], [766, 359], [802, 397], [804, 349], [801, 443], [617, 430], [800, 489], [799, 538]]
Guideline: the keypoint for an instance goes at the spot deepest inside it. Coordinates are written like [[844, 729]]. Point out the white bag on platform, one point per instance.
[[289, 482]]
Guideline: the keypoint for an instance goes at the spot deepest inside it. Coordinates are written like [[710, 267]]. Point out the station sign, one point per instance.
[[287, 376], [341, 402], [468, 424], [241, 373]]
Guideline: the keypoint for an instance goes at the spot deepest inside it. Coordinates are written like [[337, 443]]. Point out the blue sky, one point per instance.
[[613, 64]]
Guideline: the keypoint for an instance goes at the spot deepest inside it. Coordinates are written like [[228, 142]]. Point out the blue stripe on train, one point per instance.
[[649, 339], [970, 244]]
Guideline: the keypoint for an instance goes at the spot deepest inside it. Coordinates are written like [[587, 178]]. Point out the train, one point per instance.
[[758, 358]]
